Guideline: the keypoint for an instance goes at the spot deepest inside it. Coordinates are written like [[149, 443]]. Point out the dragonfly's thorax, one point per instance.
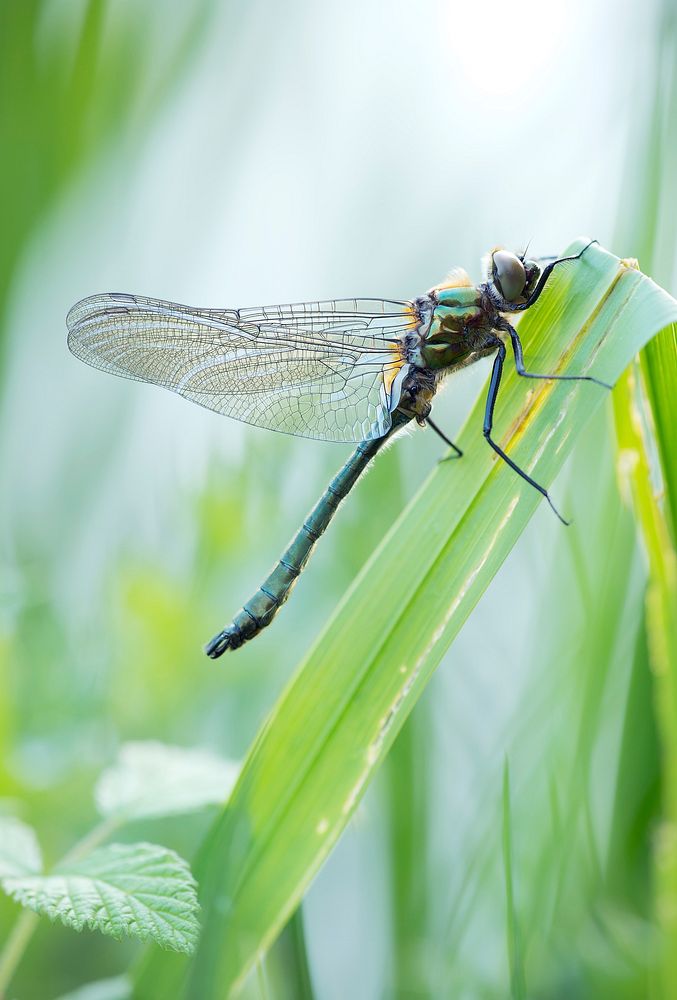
[[454, 329], [461, 321]]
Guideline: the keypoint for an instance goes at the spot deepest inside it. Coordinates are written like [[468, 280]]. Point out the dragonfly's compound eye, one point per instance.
[[509, 275], [533, 273]]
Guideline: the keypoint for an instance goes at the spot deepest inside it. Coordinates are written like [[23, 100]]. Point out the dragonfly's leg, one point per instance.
[[489, 423], [440, 433], [547, 271], [519, 362]]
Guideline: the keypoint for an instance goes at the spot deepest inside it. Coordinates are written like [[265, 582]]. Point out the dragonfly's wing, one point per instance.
[[330, 370]]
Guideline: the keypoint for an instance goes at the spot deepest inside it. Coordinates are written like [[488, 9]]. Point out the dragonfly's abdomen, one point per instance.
[[260, 610]]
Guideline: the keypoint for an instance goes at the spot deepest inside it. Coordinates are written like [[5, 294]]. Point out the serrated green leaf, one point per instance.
[[154, 779], [19, 848], [139, 890]]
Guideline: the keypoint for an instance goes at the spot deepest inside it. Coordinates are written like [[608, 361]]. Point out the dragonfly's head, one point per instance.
[[512, 275]]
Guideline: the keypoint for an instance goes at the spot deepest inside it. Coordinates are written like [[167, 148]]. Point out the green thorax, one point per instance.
[[447, 344]]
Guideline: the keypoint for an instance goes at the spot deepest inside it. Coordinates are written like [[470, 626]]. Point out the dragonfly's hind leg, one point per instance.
[[440, 433], [489, 423]]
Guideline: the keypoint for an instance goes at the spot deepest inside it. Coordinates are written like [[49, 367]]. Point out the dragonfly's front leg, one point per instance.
[[547, 271]]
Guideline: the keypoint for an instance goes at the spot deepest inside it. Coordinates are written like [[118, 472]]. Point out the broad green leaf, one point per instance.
[[140, 890], [153, 779], [335, 722], [19, 848]]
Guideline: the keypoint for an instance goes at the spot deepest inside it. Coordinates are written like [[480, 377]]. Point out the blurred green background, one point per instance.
[[237, 153]]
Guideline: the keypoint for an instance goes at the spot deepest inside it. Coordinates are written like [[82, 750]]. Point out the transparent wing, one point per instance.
[[329, 370]]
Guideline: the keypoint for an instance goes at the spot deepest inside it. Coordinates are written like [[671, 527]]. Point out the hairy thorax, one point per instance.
[[457, 328]]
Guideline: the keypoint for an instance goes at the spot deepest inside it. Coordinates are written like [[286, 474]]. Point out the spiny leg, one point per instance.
[[440, 433], [496, 373], [521, 370]]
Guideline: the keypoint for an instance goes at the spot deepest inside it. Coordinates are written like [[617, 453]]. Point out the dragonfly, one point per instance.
[[345, 370]]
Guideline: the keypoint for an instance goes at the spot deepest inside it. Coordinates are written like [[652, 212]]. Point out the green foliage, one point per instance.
[[645, 414], [632, 412], [130, 530], [19, 849], [152, 779], [64, 102], [140, 890]]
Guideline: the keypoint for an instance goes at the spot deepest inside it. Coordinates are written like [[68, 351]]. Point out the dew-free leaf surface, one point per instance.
[[19, 849], [153, 779], [138, 890]]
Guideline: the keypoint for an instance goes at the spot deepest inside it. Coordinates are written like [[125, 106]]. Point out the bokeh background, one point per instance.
[[239, 153]]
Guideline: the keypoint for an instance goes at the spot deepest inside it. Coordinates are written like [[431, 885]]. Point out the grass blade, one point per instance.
[[631, 410], [659, 363], [338, 717]]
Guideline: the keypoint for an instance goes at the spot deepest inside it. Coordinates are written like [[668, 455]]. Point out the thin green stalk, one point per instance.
[[300, 978], [286, 964], [262, 980], [92, 839], [15, 946], [518, 983]]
